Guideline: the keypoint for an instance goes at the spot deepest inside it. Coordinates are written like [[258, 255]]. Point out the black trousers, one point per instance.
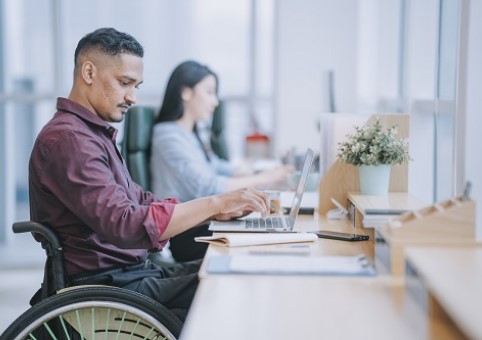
[[184, 248], [173, 286]]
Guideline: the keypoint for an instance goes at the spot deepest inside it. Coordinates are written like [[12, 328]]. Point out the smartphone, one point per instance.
[[341, 236]]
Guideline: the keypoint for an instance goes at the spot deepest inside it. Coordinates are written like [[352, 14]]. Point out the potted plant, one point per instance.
[[374, 150]]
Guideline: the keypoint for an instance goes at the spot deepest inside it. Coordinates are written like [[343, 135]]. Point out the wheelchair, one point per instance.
[[87, 312]]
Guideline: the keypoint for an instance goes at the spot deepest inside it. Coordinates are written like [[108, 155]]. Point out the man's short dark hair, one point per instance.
[[110, 41]]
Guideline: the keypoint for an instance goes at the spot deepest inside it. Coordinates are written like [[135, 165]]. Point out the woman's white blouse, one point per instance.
[[179, 167]]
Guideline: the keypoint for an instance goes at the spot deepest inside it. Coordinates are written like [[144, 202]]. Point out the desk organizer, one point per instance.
[[359, 204], [450, 222]]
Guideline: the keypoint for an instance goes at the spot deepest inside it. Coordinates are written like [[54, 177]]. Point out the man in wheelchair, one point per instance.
[[80, 186]]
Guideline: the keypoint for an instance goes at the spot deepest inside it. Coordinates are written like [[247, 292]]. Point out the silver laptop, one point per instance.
[[271, 223]]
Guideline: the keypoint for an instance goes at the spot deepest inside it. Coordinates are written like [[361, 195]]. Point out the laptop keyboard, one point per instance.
[[266, 223]]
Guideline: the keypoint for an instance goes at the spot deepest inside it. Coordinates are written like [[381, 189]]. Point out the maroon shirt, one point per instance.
[[80, 186]]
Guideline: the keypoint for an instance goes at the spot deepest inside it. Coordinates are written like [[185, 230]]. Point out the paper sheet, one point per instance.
[[291, 265]]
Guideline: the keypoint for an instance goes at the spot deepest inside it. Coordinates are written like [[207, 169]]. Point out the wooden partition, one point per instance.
[[342, 178]]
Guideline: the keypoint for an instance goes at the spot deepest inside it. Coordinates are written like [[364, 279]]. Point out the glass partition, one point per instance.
[[446, 91]]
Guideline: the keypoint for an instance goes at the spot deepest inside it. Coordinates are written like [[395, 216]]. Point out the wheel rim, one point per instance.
[[100, 320]]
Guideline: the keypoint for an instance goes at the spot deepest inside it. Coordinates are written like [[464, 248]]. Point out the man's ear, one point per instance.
[[186, 93], [88, 71]]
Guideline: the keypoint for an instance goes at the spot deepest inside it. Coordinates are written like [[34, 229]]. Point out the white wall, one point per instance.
[[473, 156], [378, 54], [312, 39]]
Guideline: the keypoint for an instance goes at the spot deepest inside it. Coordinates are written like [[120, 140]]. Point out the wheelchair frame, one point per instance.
[[87, 312]]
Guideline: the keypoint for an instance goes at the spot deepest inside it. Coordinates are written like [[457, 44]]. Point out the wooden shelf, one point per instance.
[[391, 201], [358, 204], [450, 222]]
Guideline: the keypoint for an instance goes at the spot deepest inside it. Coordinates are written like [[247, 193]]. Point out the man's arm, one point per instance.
[[222, 206]]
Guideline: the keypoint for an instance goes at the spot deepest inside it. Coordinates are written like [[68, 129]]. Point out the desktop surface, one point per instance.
[[261, 306], [290, 307], [453, 275]]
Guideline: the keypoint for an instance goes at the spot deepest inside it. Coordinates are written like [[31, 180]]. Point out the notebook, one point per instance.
[[271, 223]]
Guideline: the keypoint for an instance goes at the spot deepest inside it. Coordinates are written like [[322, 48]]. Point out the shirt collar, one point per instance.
[[67, 105]]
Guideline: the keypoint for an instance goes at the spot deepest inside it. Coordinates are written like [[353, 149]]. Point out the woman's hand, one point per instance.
[[280, 173]]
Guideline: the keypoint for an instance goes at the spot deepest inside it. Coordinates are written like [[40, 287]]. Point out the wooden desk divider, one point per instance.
[[450, 222], [342, 178]]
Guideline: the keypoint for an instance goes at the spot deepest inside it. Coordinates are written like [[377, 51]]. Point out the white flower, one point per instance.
[[370, 145]]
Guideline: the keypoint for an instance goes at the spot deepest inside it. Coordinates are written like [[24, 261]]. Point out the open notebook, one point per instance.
[[248, 239], [271, 223]]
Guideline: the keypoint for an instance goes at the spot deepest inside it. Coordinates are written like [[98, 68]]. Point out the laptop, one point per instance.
[[271, 223]]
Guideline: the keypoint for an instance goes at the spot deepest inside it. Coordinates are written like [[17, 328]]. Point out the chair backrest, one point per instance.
[[218, 133], [136, 145]]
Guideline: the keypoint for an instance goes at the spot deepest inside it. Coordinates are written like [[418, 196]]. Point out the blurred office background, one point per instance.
[[281, 64]]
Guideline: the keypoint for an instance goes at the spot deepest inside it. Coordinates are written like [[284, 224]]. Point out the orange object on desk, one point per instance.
[[257, 146]]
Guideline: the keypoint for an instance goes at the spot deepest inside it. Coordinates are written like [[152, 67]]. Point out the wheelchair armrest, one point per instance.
[[54, 267], [35, 227]]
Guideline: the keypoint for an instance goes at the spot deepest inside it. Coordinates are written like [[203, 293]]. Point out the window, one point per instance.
[[27, 84], [36, 64]]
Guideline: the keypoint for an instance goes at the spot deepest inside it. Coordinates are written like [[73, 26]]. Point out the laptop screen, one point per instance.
[[295, 206]]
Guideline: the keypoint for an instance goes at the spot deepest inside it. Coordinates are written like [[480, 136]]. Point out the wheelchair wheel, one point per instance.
[[95, 313]]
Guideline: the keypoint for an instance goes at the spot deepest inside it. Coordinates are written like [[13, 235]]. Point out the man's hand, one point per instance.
[[223, 207], [240, 203], [231, 216]]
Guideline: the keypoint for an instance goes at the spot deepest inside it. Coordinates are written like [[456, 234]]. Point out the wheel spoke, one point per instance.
[[64, 327], [47, 327], [93, 322], [135, 327], [107, 324]]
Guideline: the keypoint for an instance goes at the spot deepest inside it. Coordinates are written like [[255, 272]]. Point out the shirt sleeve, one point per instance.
[[160, 213], [144, 197]]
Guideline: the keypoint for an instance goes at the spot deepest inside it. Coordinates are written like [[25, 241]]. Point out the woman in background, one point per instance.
[[181, 165]]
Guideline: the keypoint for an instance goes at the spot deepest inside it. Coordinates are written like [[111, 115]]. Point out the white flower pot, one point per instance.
[[374, 180]]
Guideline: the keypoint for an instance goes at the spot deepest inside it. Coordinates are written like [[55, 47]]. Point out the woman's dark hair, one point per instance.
[[186, 74], [110, 41]]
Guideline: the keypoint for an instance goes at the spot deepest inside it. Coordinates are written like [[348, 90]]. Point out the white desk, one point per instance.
[[452, 279], [264, 307], [298, 307], [322, 247]]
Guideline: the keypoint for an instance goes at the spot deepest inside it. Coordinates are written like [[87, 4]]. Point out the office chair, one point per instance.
[[218, 134], [136, 145], [136, 150]]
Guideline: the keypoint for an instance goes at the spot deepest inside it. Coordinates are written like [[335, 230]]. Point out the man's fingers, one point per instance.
[[260, 202]]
